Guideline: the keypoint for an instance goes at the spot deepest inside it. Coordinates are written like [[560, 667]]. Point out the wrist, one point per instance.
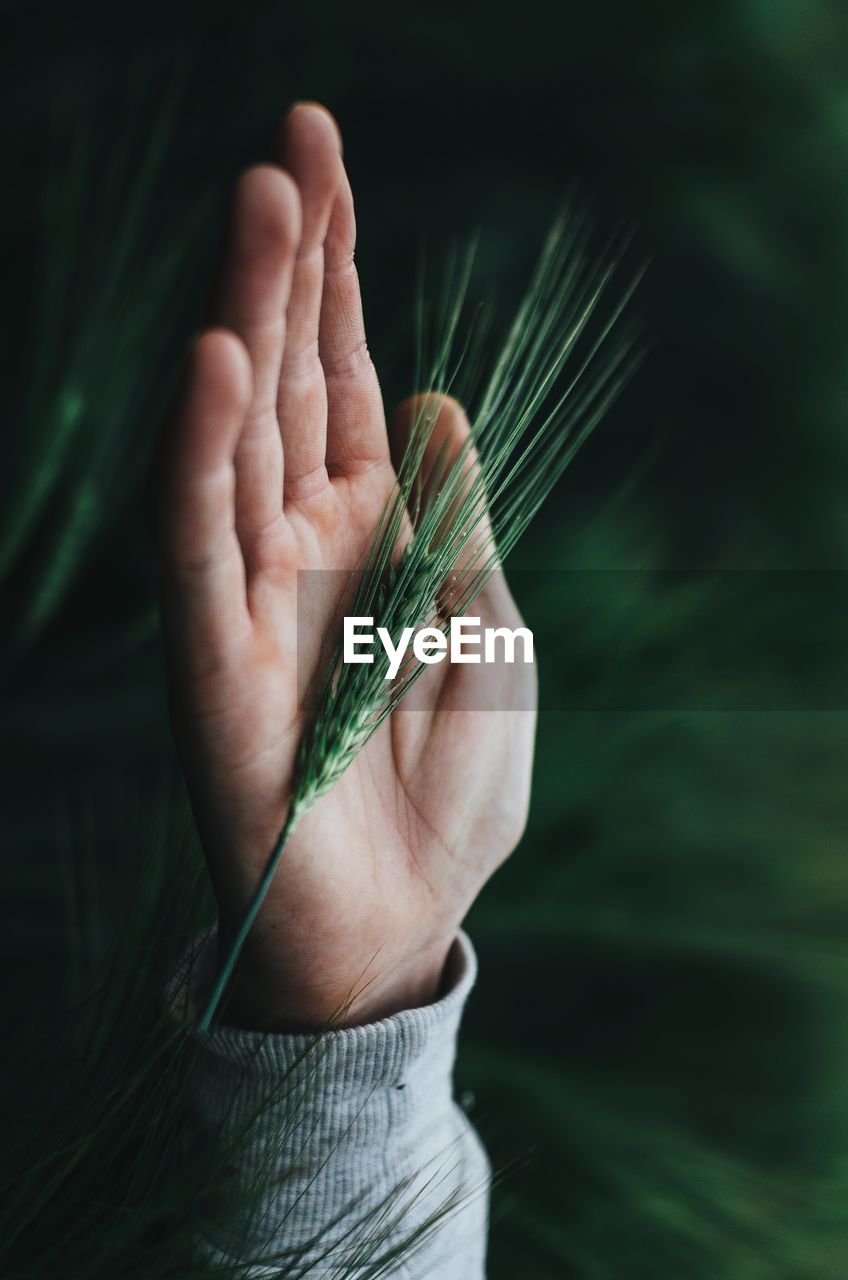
[[286, 994]]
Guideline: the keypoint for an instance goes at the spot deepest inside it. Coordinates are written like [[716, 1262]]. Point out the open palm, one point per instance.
[[278, 461]]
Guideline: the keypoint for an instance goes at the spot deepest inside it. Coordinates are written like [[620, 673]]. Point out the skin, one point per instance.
[[278, 459]]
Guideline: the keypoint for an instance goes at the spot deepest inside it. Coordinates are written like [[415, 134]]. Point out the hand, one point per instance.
[[278, 460]]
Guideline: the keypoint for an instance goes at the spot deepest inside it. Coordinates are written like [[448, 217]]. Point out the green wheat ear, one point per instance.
[[558, 371]]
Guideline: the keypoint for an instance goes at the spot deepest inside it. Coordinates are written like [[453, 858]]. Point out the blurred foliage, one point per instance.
[[660, 1023]]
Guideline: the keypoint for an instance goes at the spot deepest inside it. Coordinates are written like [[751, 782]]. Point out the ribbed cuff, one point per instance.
[[351, 1126]]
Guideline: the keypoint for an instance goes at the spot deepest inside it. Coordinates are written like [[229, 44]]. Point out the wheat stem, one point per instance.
[[221, 982]]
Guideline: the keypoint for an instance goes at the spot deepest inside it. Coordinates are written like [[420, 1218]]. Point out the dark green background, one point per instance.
[[658, 1038]]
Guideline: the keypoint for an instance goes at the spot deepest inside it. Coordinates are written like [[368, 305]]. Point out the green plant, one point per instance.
[[552, 382]]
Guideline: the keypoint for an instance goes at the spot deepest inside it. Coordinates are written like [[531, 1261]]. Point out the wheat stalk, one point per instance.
[[549, 387]]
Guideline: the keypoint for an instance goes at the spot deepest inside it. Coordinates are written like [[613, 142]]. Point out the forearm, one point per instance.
[[360, 1151]]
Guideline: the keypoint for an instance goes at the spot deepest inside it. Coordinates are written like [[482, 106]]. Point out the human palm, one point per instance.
[[279, 461]]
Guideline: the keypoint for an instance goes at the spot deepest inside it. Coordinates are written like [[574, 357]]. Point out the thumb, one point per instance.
[[449, 444]]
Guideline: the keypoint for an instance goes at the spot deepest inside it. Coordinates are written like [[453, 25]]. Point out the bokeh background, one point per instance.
[[658, 1049]]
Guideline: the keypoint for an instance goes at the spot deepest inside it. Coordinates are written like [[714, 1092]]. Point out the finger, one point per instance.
[[311, 151], [356, 426], [203, 572], [252, 300], [450, 465]]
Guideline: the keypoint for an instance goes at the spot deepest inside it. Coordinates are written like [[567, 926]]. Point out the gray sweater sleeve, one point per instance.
[[355, 1139]]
